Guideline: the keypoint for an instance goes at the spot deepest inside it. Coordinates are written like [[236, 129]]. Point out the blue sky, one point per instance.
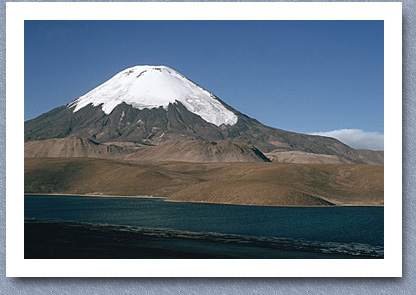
[[303, 76]]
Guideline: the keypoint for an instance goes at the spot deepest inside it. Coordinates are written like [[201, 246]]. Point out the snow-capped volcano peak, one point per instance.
[[152, 87]]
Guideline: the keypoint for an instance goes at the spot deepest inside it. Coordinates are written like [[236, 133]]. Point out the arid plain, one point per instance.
[[271, 184]]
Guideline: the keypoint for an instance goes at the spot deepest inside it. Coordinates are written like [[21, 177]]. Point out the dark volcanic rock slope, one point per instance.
[[153, 126]]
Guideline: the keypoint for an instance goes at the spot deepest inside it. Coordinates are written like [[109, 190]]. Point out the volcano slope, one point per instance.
[[102, 139], [149, 105], [268, 184]]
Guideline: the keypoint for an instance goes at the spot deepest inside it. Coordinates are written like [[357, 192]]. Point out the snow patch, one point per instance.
[[153, 87]]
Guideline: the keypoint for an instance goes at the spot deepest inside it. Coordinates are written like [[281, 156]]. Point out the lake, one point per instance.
[[163, 229]]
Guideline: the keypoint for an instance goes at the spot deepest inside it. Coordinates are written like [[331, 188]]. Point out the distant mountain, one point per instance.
[[149, 105], [199, 151]]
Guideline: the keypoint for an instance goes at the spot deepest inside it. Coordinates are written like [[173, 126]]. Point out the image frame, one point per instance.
[[16, 12]]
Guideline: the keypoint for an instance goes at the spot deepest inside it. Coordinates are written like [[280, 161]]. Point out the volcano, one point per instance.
[[149, 105]]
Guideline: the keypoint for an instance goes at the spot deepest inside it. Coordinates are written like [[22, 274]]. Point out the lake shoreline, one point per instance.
[[93, 195], [71, 240], [198, 202], [151, 228]]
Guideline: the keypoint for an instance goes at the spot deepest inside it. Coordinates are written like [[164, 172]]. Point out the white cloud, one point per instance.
[[357, 138]]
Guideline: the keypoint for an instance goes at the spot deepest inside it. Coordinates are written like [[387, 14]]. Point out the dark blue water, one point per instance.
[[362, 225]]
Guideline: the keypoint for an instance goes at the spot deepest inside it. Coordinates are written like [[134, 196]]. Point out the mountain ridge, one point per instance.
[[175, 122], [199, 151], [76, 147]]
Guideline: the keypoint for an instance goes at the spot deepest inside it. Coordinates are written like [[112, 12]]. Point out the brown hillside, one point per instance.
[[75, 147], [372, 157], [274, 184], [200, 151], [304, 158]]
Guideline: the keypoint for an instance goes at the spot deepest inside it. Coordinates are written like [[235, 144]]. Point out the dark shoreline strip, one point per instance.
[[165, 199], [71, 240]]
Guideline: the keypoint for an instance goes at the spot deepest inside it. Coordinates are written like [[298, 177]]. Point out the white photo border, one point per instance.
[[18, 12]]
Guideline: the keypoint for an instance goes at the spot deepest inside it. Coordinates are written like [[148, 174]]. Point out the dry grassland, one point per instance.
[[271, 184]]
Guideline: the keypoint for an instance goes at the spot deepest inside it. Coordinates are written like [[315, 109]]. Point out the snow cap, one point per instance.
[[153, 87]]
